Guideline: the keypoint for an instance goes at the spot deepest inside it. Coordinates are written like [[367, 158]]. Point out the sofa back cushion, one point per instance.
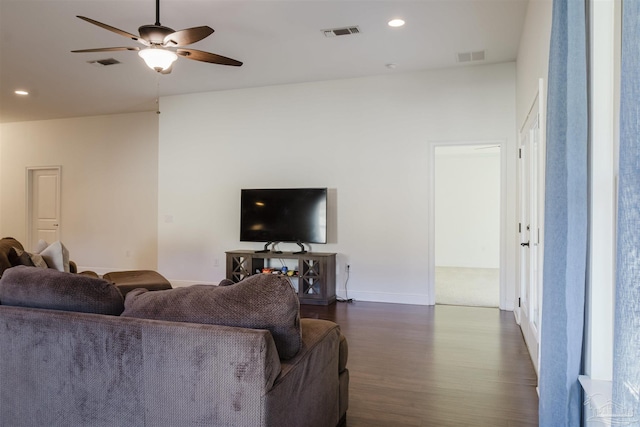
[[48, 288], [258, 302]]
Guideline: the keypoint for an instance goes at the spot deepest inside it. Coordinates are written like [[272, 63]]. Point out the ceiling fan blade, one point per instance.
[[188, 36], [114, 29], [198, 55], [105, 49]]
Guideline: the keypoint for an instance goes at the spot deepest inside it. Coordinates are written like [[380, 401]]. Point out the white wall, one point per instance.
[[533, 56], [366, 138], [467, 207], [109, 185]]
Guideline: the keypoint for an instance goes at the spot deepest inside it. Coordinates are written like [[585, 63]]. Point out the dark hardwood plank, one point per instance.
[[438, 365]]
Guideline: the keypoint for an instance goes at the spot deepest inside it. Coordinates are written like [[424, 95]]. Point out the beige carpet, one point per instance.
[[468, 286]]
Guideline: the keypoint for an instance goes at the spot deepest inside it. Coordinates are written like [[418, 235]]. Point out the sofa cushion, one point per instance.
[[24, 286], [258, 302]]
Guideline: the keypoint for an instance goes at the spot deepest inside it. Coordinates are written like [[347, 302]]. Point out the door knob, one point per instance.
[[524, 244]]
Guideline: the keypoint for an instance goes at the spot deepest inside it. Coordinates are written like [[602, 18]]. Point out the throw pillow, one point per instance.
[[56, 256], [19, 257], [40, 246], [24, 286], [6, 243], [38, 261], [259, 302]]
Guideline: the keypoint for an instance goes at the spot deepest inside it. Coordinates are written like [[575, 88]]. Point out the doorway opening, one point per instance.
[[467, 216]]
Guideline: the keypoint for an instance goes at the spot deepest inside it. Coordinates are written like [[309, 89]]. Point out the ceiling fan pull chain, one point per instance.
[[157, 93]]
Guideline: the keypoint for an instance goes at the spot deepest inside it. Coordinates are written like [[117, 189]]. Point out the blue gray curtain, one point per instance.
[[566, 226], [626, 357]]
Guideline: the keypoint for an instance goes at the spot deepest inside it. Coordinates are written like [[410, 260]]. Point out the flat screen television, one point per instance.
[[284, 215]]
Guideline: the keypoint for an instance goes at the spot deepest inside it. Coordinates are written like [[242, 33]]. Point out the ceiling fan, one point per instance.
[[159, 40]]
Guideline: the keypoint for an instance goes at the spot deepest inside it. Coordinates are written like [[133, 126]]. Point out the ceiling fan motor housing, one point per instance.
[[154, 34]]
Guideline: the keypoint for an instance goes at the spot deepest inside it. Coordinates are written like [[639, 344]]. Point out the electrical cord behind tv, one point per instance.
[[346, 294]]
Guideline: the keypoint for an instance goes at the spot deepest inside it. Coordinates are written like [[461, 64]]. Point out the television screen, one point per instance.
[[284, 215]]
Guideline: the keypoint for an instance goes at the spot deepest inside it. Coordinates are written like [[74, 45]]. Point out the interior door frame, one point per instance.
[[431, 263], [30, 172], [529, 316]]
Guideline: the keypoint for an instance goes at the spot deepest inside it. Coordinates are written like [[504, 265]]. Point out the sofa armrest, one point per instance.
[[344, 354], [344, 379], [310, 379]]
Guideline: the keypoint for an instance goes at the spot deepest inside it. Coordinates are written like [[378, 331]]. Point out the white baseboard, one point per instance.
[[388, 297], [418, 299], [100, 270], [183, 283], [176, 283]]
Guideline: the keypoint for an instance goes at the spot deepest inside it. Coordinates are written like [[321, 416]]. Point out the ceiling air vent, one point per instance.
[[470, 56], [341, 31], [104, 62]]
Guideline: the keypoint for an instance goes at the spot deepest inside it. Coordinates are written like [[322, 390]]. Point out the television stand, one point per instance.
[[315, 281]]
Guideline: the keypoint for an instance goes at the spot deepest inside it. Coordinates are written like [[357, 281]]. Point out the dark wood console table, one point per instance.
[[315, 280]]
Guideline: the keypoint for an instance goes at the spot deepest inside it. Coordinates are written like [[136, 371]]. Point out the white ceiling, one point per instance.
[[279, 42]]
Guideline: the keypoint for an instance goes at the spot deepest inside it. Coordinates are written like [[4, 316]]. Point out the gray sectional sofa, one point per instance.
[[74, 352]]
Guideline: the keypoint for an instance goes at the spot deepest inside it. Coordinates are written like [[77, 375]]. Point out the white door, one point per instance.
[[43, 205], [528, 311]]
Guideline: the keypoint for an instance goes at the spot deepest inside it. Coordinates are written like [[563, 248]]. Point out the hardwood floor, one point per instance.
[[437, 365]]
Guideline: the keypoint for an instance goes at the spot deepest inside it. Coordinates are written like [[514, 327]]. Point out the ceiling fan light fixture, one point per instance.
[[158, 59]]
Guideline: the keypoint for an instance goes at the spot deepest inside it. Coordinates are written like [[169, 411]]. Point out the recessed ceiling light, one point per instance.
[[396, 23], [21, 92]]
